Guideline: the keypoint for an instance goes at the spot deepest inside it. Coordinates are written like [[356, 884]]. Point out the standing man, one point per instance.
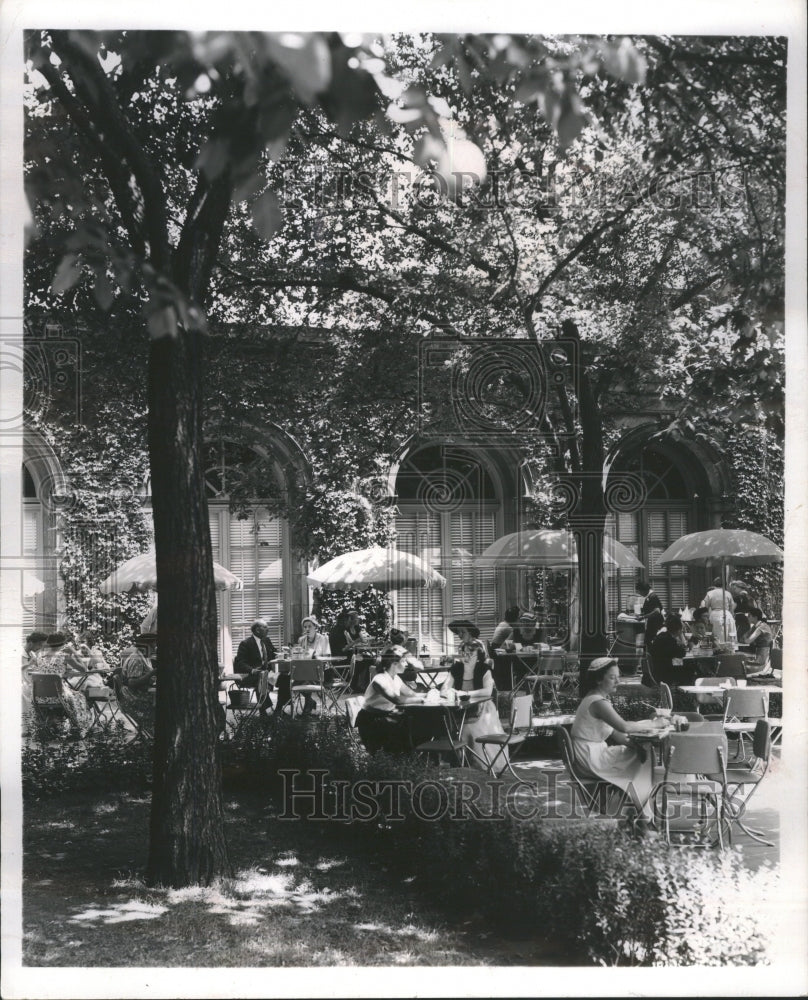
[[253, 656], [650, 612]]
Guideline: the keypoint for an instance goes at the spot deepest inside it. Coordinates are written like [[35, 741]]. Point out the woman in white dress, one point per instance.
[[596, 721], [721, 607], [472, 674]]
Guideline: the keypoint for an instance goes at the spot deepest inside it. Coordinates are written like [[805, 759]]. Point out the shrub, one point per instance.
[[581, 884], [104, 762]]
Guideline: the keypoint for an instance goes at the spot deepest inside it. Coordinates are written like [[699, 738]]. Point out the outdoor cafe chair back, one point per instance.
[[47, 697], [742, 708], [521, 722], [353, 706], [730, 665], [307, 677], [711, 700], [743, 782], [550, 674], [592, 792], [695, 764]]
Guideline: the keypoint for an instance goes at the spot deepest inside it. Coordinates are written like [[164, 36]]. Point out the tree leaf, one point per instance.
[[213, 158], [67, 274], [304, 59], [267, 215], [102, 291]]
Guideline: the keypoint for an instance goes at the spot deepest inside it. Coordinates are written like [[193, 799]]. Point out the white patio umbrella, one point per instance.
[[550, 548], [719, 547], [31, 585], [386, 569], [272, 572], [139, 574]]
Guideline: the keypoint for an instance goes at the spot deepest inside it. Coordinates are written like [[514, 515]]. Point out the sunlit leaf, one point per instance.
[[267, 215]]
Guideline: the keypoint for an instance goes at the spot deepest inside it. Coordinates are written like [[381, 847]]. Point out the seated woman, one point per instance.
[[55, 659], [381, 726], [596, 721], [699, 626], [313, 645], [93, 661], [504, 630], [136, 694], [760, 640], [347, 638], [667, 654], [472, 674]]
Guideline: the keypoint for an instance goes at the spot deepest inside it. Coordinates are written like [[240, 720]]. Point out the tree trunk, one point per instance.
[[187, 843], [588, 520]]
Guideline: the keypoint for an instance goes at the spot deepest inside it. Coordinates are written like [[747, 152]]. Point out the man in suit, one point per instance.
[[253, 655]]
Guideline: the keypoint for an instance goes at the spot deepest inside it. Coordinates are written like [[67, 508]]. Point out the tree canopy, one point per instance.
[[200, 200]]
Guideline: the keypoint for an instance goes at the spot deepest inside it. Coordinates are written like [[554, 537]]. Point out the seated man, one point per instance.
[[253, 656], [760, 640]]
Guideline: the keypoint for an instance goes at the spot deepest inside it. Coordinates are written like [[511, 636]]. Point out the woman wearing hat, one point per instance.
[[57, 659], [596, 721], [313, 645]]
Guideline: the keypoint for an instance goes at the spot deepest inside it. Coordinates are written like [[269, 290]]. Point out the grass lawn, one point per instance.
[[290, 903]]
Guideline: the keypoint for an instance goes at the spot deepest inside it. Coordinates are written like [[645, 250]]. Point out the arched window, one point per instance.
[[668, 512], [449, 511], [255, 546], [32, 551]]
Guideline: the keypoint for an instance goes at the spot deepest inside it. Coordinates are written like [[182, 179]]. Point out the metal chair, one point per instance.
[[307, 678], [549, 674], [335, 687], [521, 723], [245, 704], [353, 706], [742, 783], [48, 699], [695, 763], [142, 731], [742, 709], [593, 793], [449, 744], [710, 700], [104, 705], [731, 665], [571, 676], [665, 697]]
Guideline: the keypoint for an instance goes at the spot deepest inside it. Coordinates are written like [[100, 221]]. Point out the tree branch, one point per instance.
[[118, 178], [102, 107]]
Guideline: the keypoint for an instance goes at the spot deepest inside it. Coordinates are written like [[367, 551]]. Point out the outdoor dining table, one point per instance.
[[714, 689], [552, 721], [512, 666], [433, 719], [433, 674]]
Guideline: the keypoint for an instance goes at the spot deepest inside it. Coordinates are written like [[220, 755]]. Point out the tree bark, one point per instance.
[[187, 844], [588, 520]]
